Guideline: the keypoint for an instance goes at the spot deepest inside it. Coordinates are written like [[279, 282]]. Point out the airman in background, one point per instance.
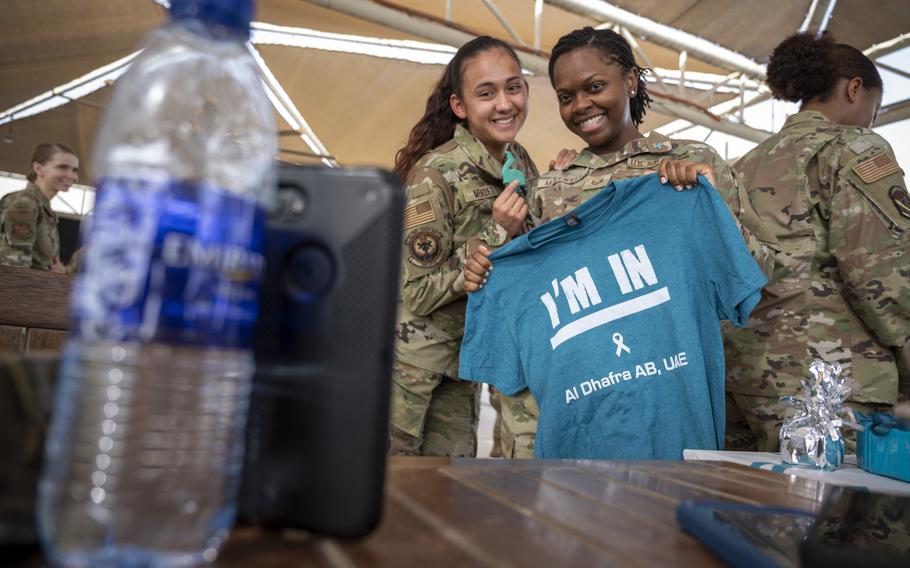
[[28, 225], [831, 191]]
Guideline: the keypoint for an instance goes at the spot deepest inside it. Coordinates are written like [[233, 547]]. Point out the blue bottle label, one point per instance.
[[170, 261]]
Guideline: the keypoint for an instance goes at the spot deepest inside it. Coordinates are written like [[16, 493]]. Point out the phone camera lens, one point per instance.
[[310, 272]]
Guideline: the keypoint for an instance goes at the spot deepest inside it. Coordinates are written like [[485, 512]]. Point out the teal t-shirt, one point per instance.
[[611, 316]]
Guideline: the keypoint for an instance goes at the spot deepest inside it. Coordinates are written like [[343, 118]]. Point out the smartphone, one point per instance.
[[853, 528], [317, 431]]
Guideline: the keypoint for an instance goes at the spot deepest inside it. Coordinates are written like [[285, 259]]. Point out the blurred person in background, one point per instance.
[[28, 225]]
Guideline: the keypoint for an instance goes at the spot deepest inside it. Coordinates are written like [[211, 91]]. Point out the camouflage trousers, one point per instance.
[[432, 414], [519, 425], [26, 398], [753, 422], [496, 450]]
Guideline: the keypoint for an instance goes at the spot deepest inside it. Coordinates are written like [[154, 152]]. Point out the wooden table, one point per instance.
[[442, 512], [34, 310], [527, 513]]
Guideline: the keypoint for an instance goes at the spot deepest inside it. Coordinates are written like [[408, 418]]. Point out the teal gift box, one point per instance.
[[884, 446]]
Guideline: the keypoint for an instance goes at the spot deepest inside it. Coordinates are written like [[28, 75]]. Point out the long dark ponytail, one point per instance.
[[614, 48], [438, 122]]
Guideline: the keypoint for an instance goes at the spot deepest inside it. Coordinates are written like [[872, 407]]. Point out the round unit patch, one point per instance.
[[424, 247], [901, 200], [22, 231]]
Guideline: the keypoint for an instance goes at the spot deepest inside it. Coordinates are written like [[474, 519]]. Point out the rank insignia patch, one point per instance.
[[418, 214], [876, 168], [901, 199], [424, 247]]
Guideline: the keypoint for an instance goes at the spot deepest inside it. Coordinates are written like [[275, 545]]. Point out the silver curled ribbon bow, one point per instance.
[[813, 436]]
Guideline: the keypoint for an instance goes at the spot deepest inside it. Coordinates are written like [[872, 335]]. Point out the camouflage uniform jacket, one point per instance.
[[29, 236], [449, 210], [557, 193], [836, 200]]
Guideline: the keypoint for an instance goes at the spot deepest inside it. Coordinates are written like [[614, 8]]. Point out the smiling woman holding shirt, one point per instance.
[[603, 98], [456, 202]]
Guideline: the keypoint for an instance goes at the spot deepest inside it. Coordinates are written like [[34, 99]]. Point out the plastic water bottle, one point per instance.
[[144, 455]]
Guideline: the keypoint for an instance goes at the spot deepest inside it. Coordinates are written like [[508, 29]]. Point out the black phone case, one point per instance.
[[317, 432]]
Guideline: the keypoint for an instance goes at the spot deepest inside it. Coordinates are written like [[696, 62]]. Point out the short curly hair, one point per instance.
[[805, 67]]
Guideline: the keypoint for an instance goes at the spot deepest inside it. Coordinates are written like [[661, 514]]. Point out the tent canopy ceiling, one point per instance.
[[362, 107], [753, 28]]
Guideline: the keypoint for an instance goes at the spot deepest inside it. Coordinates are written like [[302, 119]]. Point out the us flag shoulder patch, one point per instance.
[[418, 214], [876, 168]]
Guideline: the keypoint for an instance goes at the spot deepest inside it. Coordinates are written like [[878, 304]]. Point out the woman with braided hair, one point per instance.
[[603, 98]]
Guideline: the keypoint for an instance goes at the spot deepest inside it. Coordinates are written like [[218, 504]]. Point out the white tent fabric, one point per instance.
[[360, 106]]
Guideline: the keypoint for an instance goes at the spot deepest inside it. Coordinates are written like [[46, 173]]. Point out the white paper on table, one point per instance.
[[849, 475]]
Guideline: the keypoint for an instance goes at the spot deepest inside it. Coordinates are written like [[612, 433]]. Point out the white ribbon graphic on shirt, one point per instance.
[[620, 346], [608, 314]]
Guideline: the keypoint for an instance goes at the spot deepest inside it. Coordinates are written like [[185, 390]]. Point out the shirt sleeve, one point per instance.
[[733, 277], [869, 236], [489, 353], [535, 212], [20, 231], [760, 241], [432, 265], [533, 218]]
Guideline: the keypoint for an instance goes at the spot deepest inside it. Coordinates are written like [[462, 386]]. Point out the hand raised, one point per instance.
[[510, 210], [563, 160]]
